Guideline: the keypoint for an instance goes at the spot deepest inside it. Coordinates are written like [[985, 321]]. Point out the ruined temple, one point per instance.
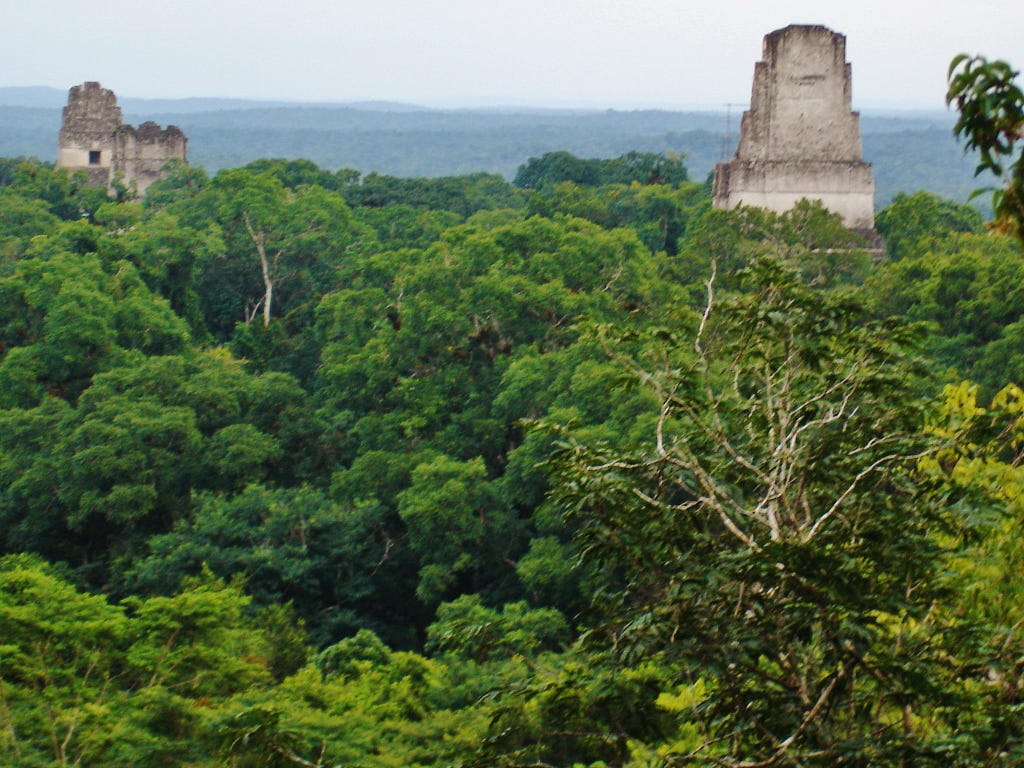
[[94, 139], [800, 139]]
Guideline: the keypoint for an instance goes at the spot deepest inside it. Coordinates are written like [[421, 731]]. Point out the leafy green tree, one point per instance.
[[468, 629], [657, 213], [405, 226], [910, 219], [168, 257], [455, 524], [69, 196], [8, 169], [23, 218], [282, 247], [966, 287], [83, 680], [125, 458], [808, 238], [58, 667], [581, 708], [292, 546], [750, 541], [197, 642], [432, 357], [32, 514], [180, 185], [295, 174], [63, 318], [253, 208], [419, 347], [90, 482], [360, 704], [464, 195], [983, 457], [543, 173], [550, 573]]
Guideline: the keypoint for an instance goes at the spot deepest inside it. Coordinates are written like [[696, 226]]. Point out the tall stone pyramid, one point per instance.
[[800, 139]]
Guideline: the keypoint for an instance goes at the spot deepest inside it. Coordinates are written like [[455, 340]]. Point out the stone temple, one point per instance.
[[800, 139], [94, 139]]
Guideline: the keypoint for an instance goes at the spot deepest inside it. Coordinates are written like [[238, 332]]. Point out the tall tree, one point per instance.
[[776, 536], [282, 246]]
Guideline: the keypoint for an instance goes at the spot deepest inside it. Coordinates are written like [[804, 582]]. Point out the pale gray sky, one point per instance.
[[603, 53]]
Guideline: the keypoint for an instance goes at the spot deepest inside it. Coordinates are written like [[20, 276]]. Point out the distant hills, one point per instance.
[[909, 150], [45, 97]]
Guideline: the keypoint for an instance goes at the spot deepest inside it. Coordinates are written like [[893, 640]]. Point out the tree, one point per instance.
[[282, 246], [58, 666], [63, 318], [455, 524], [658, 213], [910, 219], [543, 173], [23, 218], [292, 546], [464, 195], [467, 628], [967, 287], [751, 540], [84, 681], [167, 256], [255, 204], [404, 226], [808, 238], [181, 183], [69, 196], [991, 107]]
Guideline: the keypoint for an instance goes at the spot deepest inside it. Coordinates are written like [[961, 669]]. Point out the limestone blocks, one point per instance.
[[800, 139], [94, 139]]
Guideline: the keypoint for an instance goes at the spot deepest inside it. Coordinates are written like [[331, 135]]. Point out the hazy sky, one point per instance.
[[604, 53]]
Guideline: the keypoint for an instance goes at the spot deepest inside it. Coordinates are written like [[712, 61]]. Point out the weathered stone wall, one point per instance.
[[800, 139], [141, 153], [94, 139], [86, 140]]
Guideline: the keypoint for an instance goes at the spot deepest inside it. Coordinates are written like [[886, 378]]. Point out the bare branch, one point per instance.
[[870, 469]]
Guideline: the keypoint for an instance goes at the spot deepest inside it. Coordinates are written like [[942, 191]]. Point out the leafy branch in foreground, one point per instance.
[[991, 107]]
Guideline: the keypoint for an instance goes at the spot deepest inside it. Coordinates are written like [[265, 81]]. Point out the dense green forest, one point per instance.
[[305, 467]]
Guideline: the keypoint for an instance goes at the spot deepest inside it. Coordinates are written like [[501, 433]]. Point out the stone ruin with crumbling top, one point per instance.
[[94, 139], [800, 139]]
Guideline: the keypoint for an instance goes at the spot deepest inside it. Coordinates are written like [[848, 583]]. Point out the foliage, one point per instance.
[[657, 213], [909, 219], [295, 239], [454, 522], [274, 434], [464, 195], [579, 709], [750, 538], [91, 482], [468, 629], [545, 172], [966, 286], [296, 174], [86, 681], [991, 120], [808, 238], [292, 546]]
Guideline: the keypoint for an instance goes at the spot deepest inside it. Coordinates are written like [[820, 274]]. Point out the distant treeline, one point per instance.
[[909, 152]]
